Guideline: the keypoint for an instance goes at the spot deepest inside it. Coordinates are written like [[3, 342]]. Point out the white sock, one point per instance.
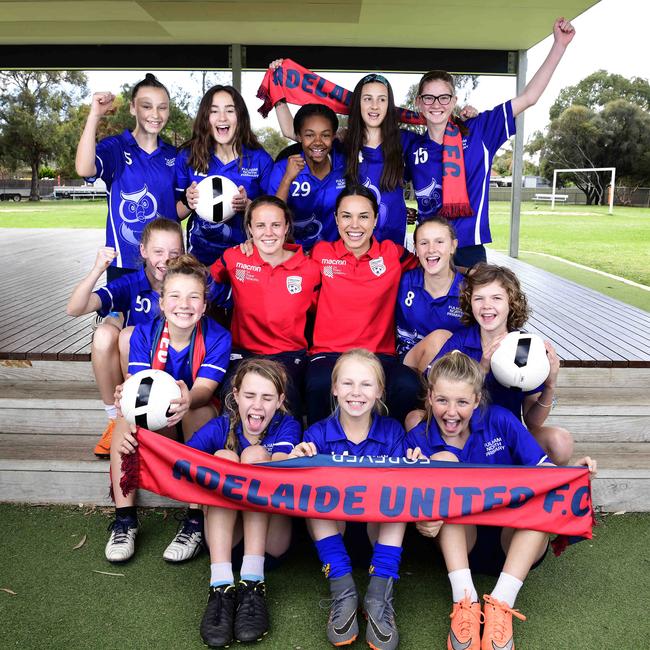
[[461, 583], [111, 411], [221, 574], [507, 588], [252, 568]]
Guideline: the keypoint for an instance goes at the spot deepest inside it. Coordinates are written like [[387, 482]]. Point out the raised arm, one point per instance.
[[282, 112], [83, 300], [563, 33], [101, 103]]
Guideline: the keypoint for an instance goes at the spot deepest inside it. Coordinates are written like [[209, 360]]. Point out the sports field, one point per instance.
[[53, 595], [617, 244]]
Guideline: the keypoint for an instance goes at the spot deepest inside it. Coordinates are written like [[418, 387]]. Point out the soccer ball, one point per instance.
[[215, 198], [146, 396], [520, 361]]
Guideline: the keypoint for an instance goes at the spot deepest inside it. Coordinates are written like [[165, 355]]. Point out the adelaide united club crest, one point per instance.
[[377, 266], [294, 284]]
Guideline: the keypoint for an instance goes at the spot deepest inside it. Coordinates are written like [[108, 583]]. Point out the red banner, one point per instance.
[[350, 488], [298, 85]]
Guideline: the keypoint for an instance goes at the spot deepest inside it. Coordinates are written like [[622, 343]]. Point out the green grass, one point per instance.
[[618, 244], [593, 597]]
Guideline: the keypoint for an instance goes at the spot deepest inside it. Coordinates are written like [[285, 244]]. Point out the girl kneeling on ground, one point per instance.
[[198, 350], [460, 428]]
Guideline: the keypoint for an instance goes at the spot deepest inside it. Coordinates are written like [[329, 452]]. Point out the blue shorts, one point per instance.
[[468, 256]]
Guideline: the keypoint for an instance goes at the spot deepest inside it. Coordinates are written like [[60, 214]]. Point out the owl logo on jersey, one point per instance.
[[377, 266], [138, 207], [294, 284], [383, 210], [429, 198]]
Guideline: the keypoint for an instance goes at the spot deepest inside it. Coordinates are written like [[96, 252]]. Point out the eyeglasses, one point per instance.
[[443, 100]]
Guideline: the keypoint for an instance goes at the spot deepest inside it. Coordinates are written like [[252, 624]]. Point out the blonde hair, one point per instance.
[[265, 368], [455, 366], [373, 362], [162, 224]]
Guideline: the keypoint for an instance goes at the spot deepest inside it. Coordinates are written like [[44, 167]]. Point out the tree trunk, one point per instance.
[[33, 192]]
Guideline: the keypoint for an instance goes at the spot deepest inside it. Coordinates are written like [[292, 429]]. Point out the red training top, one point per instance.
[[271, 303], [356, 305]]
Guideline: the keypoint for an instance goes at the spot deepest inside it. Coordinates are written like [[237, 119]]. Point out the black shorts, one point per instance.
[[487, 556]]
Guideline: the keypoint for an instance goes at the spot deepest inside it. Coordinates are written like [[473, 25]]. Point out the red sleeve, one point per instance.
[[407, 260], [219, 271]]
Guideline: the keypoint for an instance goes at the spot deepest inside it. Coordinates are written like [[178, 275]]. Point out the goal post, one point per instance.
[[587, 169]]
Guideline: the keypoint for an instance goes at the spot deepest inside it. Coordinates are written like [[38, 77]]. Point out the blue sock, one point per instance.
[[385, 561], [333, 556]]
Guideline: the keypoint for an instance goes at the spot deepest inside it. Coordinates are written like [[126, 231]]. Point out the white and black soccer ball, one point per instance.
[[520, 361], [146, 397], [215, 198]]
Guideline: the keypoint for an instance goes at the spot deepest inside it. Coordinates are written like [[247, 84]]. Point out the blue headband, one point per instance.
[[369, 78]]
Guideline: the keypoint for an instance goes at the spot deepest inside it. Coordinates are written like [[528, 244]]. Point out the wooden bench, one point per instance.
[[559, 198]]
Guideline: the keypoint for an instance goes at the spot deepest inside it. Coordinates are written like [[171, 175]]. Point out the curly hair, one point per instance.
[[186, 265], [482, 274]]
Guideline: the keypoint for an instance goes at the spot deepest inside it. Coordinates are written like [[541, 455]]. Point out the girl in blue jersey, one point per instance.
[[493, 304], [310, 181], [427, 306], [255, 428], [450, 164], [195, 351], [460, 428], [135, 295], [357, 428], [137, 167], [222, 143]]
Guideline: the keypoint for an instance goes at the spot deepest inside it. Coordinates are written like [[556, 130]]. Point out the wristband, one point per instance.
[[184, 200]]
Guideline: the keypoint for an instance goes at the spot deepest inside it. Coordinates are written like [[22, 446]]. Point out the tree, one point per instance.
[[618, 136], [600, 88], [33, 107], [273, 141]]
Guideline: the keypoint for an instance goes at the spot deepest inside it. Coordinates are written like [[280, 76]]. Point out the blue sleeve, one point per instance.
[[220, 293], [140, 348], [217, 352], [275, 177], [398, 448], [115, 296], [287, 436], [314, 434], [212, 436], [450, 344], [182, 179], [108, 156], [266, 167], [524, 448], [494, 126]]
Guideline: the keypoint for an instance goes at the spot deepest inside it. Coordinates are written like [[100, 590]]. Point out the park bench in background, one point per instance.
[[547, 198]]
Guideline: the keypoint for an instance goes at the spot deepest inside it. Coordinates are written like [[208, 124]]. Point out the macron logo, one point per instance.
[[248, 267], [333, 262]]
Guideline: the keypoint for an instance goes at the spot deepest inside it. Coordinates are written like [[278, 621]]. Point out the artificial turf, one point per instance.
[[593, 597]]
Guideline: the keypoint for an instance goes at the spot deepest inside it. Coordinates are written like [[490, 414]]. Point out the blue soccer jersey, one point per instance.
[[140, 188], [417, 313], [496, 438], [312, 200], [179, 363], [423, 158], [385, 438], [468, 340], [133, 296], [206, 240], [282, 435]]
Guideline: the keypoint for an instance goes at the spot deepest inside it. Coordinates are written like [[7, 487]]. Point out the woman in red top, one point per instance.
[[356, 306], [273, 289]]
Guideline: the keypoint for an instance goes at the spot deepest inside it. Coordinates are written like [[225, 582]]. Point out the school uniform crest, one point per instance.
[[294, 284], [377, 266]]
